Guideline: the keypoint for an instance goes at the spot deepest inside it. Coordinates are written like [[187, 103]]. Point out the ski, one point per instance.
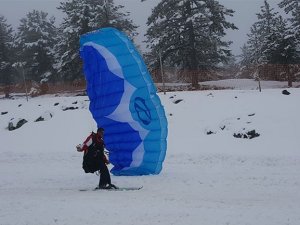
[[122, 189], [117, 189]]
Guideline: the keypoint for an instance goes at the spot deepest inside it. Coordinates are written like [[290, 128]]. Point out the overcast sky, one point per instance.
[[244, 17]]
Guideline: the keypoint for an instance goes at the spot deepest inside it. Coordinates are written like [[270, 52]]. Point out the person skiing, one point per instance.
[[95, 142]]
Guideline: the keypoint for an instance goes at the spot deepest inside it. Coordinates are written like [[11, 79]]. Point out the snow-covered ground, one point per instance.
[[209, 176]]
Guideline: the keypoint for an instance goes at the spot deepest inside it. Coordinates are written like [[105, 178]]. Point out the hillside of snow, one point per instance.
[[233, 158]]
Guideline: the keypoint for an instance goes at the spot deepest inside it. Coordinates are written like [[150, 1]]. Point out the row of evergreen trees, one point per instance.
[[43, 52], [274, 40], [187, 34]]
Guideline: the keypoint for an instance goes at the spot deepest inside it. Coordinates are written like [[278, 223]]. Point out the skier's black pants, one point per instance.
[[104, 174]]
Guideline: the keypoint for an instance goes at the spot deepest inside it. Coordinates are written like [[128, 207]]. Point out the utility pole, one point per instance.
[[259, 85], [162, 72], [20, 69]]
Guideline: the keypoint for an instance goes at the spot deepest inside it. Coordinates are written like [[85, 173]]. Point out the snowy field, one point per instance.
[[209, 177]]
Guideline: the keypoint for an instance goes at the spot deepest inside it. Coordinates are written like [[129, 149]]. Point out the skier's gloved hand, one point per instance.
[[78, 147]]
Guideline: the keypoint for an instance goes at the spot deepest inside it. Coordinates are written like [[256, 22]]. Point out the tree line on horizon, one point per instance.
[[274, 40], [186, 35]]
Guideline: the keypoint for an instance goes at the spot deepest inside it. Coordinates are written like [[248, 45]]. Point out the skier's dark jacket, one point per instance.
[[93, 148]]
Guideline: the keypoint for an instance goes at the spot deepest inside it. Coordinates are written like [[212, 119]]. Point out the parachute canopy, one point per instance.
[[124, 102]]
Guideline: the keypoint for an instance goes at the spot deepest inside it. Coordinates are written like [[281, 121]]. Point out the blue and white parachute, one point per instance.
[[124, 102]]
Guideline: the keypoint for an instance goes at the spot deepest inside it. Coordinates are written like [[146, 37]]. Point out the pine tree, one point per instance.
[[83, 16], [269, 38], [189, 34], [252, 51], [270, 42], [266, 29], [283, 48], [293, 7], [5, 51], [34, 42]]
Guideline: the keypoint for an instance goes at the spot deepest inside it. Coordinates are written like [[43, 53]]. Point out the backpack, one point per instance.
[[91, 160]]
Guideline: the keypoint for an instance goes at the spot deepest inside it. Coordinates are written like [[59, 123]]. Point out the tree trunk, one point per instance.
[[290, 80], [289, 76], [193, 54], [7, 91]]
